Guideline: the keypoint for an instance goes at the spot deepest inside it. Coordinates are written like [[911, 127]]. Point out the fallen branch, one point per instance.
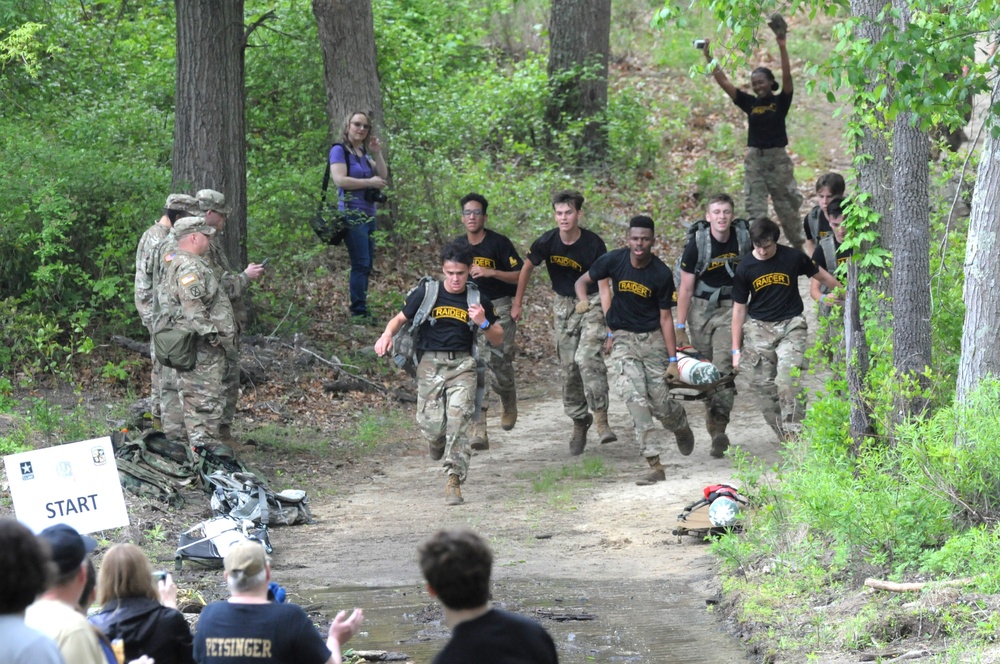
[[892, 586], [338, 366], [141, 347]]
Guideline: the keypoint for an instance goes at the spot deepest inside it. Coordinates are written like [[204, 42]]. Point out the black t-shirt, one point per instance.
[[257, 634], [765, 118], [499, 637], [495, 252], [772, 287], [566, 262], [819, 255], [639, 294], [447, 327], [716, 275], [823, 226]]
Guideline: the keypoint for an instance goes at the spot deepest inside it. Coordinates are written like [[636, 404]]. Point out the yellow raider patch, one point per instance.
[[566, 262], [719, 261], [451, 312], [625, 286], [513, 262], [773, 279], [188, 279], [484, 262]]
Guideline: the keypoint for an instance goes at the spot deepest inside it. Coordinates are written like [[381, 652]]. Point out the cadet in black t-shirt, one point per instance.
[[815, 225], [568, 252], [765, 288], [446, 375], [496, 267], [832, 244], [705, 306], [768, 170], [641, 338]]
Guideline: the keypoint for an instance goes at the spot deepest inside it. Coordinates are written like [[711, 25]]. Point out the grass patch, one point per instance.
[[293, 440], [549, 481], [371, 429]]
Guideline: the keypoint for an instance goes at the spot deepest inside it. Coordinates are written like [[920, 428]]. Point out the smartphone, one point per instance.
[[160, 576], [265, 261], [699, 43]]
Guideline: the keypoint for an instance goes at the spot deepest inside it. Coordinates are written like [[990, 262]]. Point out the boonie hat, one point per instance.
[[183, 202], [69, 548], [209, 199], [247, 557], [187, 225]]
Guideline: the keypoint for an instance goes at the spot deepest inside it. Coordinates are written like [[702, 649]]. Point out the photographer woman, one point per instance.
[[359, 171], [131, 608], [767, 168]]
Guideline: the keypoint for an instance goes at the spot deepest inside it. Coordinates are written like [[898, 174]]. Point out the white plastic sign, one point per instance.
[[76, 484]]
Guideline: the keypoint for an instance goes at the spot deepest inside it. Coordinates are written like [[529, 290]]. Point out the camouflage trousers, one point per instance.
[[776, 351], [192, 401], [446, 395], [231, 382], [500, 359], [710, 328], [640, 359], [154, 380], [770, 172], [579, 345]]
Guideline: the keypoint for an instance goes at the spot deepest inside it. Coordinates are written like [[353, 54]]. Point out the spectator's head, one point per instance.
[[247, 568], [357, 128], [25, 567], [180, 205], [213, 207], [69, 551], [762, 81], [125, 572], [457, 565], [573, 198]]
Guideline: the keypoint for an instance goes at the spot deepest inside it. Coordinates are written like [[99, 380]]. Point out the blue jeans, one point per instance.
[[361, 248]]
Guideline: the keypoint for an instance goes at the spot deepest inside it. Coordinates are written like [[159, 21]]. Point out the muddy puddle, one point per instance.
[[604, 621]]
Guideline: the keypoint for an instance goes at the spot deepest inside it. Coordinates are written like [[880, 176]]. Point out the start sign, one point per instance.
[[76, 484]]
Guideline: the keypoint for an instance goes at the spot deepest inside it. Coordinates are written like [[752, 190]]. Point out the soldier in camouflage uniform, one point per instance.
[[235, 285], [194, 301], [568, 252], [146, 256], [765, 289], [641, 338], [446, 374]]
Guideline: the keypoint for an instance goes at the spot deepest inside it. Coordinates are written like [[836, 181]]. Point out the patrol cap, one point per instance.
[[182, 202], [246, 557], [68, 547], [209, 199], [187, 225]]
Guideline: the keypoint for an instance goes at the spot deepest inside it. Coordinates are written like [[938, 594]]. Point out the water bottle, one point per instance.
[[696, 372]]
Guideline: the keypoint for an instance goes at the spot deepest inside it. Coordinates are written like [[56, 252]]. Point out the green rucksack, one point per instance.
[[701, 232], [152, 466], [404, 342]]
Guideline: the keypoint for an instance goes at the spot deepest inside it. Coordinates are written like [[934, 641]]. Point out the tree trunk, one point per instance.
[[209, 119], [857, 362], [911, 270], [980, 342], [350, 63], [875, 174], [579, 44]]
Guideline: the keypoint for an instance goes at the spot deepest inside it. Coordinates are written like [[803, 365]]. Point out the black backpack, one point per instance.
[[329, 223]]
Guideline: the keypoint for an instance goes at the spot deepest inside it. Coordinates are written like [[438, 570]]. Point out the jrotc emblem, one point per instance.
[[27, 473], [98, 455]]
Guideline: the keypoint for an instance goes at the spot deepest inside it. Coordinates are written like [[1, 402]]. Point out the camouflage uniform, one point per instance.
[[147, 255], [171, 410], [446, 395], [580, 345], [773, 349], [640, 359], [195, 301], [234, 285], [500, 358], [709, 327], [770, 171]]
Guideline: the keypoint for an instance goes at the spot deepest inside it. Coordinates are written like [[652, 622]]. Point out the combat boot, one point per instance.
[[716, 426], [509, 416], [685, 440], [453, 491], [478, 439], [603, 429], [436, 448], [579, 439], [657, 473], [226, 435]]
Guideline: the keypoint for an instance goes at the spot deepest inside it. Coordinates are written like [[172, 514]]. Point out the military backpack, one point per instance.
[[701, 232]]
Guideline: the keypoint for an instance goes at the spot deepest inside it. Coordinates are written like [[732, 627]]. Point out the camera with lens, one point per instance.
[[373, 195], [699, 43]]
